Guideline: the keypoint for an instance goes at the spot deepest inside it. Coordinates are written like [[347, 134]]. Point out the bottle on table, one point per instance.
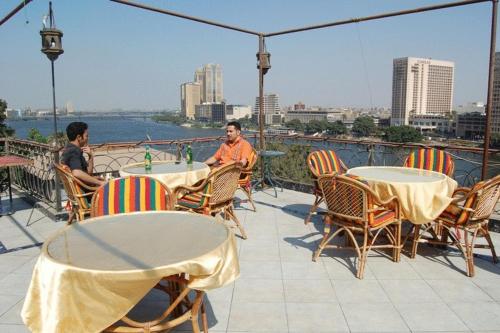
[[147, 160], [189, 155]]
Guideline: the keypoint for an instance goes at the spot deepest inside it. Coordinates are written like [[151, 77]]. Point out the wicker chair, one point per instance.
[[79, 193], [355, 209], [322, 162], [245, 181], [431, 159], [469, 212], [131, 194], [214, 195]]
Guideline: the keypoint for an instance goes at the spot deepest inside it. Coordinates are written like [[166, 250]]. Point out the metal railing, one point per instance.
[[38, 180]]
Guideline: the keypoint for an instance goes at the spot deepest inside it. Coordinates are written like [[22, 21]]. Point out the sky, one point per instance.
[[120, 57]]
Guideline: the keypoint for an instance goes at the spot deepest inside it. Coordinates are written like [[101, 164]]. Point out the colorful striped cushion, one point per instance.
[[377, 218], [195, 200], [454, 214], [430, 159], [324, 162], [130, 194]]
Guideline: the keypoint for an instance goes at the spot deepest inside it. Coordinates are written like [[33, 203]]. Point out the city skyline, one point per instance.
[[126, 58]]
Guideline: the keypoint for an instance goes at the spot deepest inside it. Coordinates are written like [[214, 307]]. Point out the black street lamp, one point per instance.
[[52, 47]]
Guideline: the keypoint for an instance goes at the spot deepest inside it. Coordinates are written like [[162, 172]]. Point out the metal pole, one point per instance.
[[56, 145], [262, 144], [14, 11], [489, 102]]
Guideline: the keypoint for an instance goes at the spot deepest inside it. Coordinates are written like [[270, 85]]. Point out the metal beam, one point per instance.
[[187, 17], [376, 17], [14, 11]]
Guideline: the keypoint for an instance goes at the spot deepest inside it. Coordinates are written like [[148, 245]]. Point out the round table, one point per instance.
[[423, 194], [169, 173], [268, 176], [89, 275]]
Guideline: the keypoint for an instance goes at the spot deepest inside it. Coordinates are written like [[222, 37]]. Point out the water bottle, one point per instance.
[[147, 160], [189, 155]]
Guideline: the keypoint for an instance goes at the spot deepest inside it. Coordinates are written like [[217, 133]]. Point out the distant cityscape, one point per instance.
[[422, 98]]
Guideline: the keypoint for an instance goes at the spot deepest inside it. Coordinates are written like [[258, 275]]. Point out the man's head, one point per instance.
[[233, 130], [77, 133]]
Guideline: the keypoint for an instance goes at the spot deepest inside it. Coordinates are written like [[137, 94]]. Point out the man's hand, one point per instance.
[[88, 151]]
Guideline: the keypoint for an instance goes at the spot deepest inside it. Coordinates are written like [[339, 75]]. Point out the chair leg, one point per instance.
[[469, 259], [416, 238], [248, 192], [490, 243], [229, 211], [328, 235], [396, 252], [363, 256], [204, 321], [317, 201]]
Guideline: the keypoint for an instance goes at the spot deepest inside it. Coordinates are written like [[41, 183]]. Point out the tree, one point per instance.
[[336, 128], [402, 134], [4, 129], [295, 124], [35, 135], [315, 126], [364, 126]]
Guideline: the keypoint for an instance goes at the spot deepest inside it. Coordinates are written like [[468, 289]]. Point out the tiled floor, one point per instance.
[[281, 290]]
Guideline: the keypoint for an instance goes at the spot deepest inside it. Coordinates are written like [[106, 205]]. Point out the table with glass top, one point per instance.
[[90, 275], [269, 177], [169, 173], [8, 161], [423, 194]]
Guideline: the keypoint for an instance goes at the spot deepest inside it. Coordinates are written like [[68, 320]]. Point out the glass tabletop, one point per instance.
[[136, 241], [159, 167], [396, 174], [271, 153]]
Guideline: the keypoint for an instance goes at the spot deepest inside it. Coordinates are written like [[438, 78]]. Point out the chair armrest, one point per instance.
[[85, 186], [186, 188]]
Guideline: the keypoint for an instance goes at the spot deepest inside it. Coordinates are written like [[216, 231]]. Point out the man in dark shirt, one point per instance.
[[72, 155]]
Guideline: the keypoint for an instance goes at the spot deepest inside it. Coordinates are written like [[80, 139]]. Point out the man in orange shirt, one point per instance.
[[235, 149]]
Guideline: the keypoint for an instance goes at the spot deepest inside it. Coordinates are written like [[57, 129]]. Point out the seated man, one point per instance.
[[72, 155], [234, 149]]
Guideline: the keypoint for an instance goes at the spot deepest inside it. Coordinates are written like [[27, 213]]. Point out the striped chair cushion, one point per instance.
[[380, 217], [430, 159], [130, 194], [195, 200], [323, 162], [455, 215]]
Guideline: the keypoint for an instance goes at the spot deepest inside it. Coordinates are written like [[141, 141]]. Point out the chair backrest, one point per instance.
[[252, 159], [73, 187], [131, 194], [431, 159], [483, 198], [223, 183], [323, 162]]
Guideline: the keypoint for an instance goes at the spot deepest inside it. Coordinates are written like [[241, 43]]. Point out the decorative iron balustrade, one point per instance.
[[39, 179]]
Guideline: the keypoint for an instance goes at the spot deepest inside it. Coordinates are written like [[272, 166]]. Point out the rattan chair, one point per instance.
[[322, 162], [131, 194], [469, 213], [431, 159], [245, 181], [358, 211], [214, 195], [79, 193]]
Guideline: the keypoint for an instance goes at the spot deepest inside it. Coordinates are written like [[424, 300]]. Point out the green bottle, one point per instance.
[[147, 160], [189, 155]]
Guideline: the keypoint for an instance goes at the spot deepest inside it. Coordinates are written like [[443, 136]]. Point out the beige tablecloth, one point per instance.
[[423, 194], [90, 275], [169, 173]]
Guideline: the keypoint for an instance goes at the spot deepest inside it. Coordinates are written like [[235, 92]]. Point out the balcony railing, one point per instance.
[[38, 180]]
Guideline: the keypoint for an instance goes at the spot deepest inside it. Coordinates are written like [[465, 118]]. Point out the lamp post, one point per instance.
[[263, 65], [52, 48]]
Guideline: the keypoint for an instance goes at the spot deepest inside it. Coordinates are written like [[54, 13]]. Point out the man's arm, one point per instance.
[[90, 161], [86, 178], [216, 157], [212, 160]]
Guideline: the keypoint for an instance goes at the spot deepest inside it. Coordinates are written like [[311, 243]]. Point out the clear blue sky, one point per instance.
[[116, 56]]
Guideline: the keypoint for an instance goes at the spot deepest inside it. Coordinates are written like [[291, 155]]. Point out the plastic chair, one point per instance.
[[322, 162], [79, 193], [214, 195], [355, 209]]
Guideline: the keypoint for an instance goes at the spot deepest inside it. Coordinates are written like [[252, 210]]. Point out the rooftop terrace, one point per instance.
[[281, 290]]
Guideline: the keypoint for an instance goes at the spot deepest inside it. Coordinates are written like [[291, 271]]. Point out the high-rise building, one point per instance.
[[234, 112], [210, 79], [495, 105], [190, 97], [421, 87], [271, 107]]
